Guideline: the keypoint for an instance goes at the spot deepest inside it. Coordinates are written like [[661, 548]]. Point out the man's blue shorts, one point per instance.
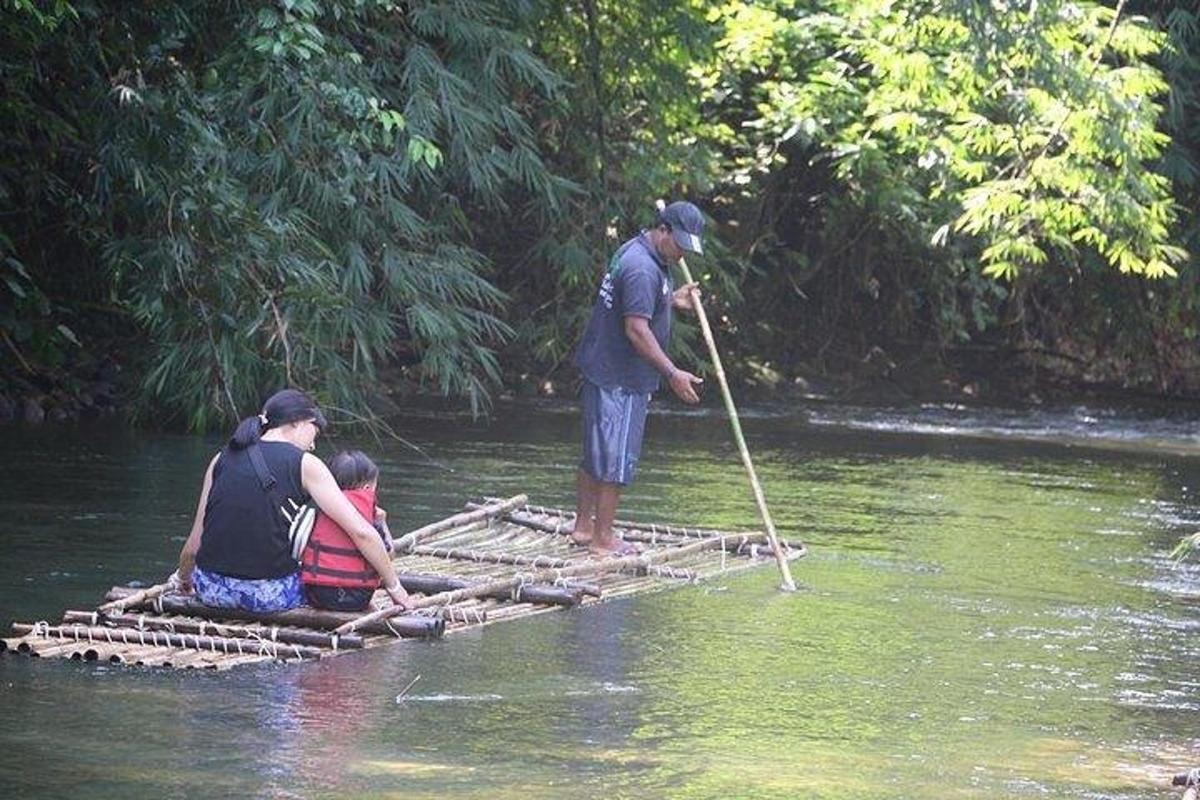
[[614, 421]]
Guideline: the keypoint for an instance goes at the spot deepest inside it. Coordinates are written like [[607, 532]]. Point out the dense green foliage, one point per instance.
[[915, 153], [339, 193], [630, 131], [290, 195]]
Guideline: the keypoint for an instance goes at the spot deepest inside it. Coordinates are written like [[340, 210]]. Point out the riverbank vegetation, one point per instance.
[[202, 201]]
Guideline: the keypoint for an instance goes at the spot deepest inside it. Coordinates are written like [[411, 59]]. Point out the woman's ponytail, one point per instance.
[[248, 432], [288, 405]]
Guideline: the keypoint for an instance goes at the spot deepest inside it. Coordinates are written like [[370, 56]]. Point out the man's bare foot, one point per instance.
[[618, 547], [582, 538]]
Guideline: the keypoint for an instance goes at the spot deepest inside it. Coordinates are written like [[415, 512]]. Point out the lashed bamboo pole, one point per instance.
[[98, 636], [501, 585], [458, 520], [177, 625], [38, 646], [659, 527], [649, 531], [541, 595], [540, 561], [463, 533], [734, 542], [301, 617], [102, 651], [137, 655], [788, 584], [42, 641], [489, 556], [160, 657], [138, 597], [46, 648]]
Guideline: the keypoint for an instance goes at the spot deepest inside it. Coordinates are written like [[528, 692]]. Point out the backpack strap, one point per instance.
[[295, 523], [268, 483]]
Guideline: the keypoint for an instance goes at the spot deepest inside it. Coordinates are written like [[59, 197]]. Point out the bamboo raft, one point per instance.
[[495, 561]]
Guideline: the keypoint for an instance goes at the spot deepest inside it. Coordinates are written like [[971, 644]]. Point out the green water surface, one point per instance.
[[977, 618]]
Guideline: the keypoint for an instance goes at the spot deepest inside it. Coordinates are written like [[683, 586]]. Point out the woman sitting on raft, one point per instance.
[[238, 554]]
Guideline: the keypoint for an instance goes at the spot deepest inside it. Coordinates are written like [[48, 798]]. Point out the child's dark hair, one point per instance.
[[352, 469]]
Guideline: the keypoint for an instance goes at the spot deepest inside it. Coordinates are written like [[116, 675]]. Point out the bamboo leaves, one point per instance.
[[305, 173]]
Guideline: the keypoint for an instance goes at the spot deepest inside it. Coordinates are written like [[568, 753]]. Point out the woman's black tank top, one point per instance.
[[244, 536]]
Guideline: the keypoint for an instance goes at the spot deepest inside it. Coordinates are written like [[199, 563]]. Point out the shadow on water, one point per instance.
[[985, 613]]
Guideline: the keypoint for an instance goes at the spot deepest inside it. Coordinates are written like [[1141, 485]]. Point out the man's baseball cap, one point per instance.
[[686, 223]]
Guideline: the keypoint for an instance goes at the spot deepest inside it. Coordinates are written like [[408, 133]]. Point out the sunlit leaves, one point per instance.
[[1030, 130]]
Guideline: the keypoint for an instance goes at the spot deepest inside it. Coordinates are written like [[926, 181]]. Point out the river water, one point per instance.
[[989, 610]]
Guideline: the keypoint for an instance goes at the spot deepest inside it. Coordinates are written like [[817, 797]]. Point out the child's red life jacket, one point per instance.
[[331, 559]]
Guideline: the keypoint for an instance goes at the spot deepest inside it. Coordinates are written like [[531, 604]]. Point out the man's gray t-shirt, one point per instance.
[[638, 284]]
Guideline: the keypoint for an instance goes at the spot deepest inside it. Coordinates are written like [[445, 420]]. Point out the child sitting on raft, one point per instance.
[[334, 573]]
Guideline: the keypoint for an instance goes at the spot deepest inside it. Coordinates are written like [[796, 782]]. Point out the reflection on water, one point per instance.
[[980, 617]]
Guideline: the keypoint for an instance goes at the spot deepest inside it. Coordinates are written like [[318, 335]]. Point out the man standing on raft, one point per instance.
[[622, 356]]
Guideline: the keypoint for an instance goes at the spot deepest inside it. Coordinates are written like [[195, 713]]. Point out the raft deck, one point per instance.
[[498, 560]]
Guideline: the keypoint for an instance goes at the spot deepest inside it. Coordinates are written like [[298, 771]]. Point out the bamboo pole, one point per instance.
[[49, 648], [101, 651], [499, 586], [138, 597], [682, 531], [410, 539], [410, 626], [788, 584], [101, 637], [203, 627], [137, 655], [540, 595], [734, 542], [469, 532], [547, 562], [76, 650], [164, 657], [651, 532], [489, 556]]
